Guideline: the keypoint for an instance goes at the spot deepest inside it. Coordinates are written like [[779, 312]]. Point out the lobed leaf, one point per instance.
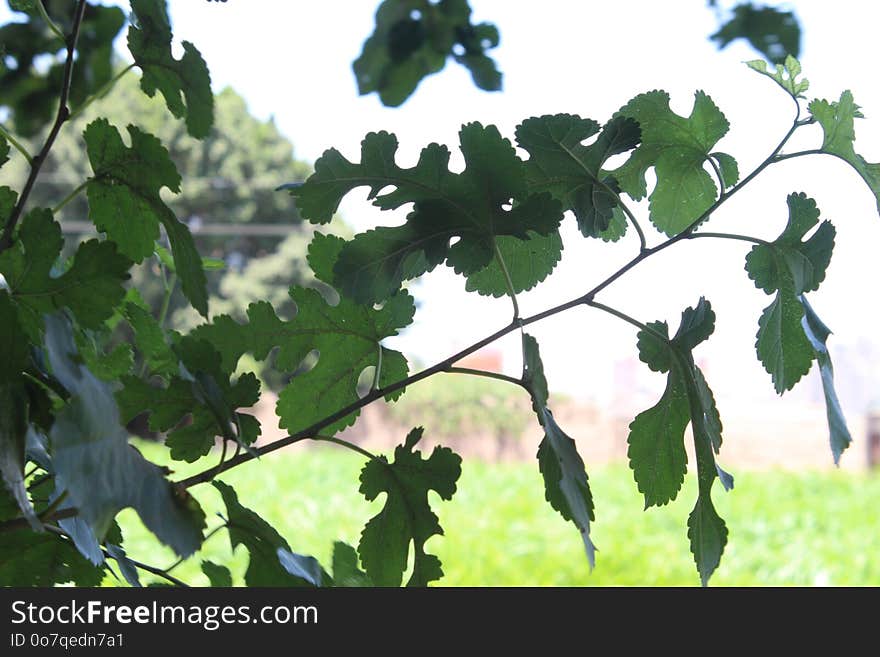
[[125, 202], [837, 120], [91, 287], [347, 338], [785, 75], [561, 164], [470, 206], [185, 83], [406, 517], [677, 148]]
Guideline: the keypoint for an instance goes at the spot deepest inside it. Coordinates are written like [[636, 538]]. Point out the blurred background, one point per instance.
[[285, 91]]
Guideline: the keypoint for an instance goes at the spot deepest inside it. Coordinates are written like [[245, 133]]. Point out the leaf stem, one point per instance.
[[60, 118], [721, 186], [17, 145], [643, 243], [166, 300], [103, 91], [621, 315], [788, 156], [730, 236], [343, 443], [507, 279], [67, 199], [52, 24], [485, 373], [585, 299], [378, 371]]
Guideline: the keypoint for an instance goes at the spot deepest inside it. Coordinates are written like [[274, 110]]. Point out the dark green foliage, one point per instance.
[[100, 471], [31, 92], [406, 516], [260, 540], [566, 483], [413, 38], [130, 178], [772, 32], [570, 171], [185, 83], [469, 206], [347, 336], [90, 287]]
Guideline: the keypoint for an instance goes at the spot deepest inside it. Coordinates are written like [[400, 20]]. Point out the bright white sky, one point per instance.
[[292, 60]]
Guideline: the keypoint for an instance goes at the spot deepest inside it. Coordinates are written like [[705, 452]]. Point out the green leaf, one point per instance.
[[790, 266], [185, 83], [345, 567], [260, 539], [677, 148], [219, 576], [708, 536], [125, 202], [656, 444], [728, 167], [126, 566], [4, 151], [92, 286], [303, 567], [782, 346], [566, 485], [470, 206], [529, 262], [407, 47], [837, 121], [28, 558], [347, 338], [13, 429], [560, 164], [202, 390], [785, 75], [817, 333], [150, 339], [772, 32], [107, 366], [323, 254], [14, 408], [656, 450], [94, 463], [406, 516]]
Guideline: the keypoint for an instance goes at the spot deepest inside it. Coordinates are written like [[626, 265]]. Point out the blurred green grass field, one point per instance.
[[812, 528]]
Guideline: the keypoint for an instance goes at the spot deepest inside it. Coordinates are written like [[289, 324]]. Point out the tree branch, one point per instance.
[[60, 118], [444, 365]]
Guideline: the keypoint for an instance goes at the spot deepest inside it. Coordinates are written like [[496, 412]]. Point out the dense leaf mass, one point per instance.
[[90, 287], [472, 206], [347, 338], [125, 202]]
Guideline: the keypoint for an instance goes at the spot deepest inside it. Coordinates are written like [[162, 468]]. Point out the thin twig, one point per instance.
[[60, 118]]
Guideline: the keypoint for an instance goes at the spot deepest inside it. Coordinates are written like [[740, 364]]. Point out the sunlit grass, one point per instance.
[[785, 528]]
